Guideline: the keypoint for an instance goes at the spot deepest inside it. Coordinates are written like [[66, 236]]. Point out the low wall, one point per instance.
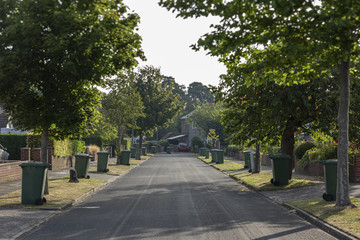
[[265, 160], [10, 171]]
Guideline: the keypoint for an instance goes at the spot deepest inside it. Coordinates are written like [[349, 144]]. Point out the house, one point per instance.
[[188, 131]]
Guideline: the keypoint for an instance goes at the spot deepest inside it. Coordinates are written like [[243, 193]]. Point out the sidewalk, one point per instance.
[[16, 222]]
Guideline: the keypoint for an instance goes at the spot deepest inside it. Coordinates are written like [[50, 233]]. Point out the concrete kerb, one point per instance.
[[333, 231], [80, 199]]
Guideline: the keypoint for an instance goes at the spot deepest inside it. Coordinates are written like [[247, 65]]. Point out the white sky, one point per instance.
[[167, 40]]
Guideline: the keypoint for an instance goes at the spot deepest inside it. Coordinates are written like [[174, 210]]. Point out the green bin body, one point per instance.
[[247, 159], [144, 151], [219, 156], [196, 149], [33, 182], [82, 165], [103, 160], [280, 169], [207, 153], [202, 151], [213, 155], [168, 150], [125, 157], [133, 152], [138, 154], [330, 175], [153, 149]]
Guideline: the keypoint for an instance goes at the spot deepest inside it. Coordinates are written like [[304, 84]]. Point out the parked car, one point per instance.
[[183, 147], [4, 155]]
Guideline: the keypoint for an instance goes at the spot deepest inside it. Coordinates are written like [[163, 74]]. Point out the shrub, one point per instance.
[[63, 148], [271, 149], [127, 143], [196, 141], [93, 149], [78, 146], [321, 152], [93, 141], [13, 143], [164, 143], [302, 148]]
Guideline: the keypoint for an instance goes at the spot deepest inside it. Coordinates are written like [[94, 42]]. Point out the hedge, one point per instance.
[[13, 143], [93, 141]]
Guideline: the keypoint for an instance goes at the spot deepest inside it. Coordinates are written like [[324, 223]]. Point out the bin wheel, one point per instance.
[[88, 176], [44, 200], [328, 197], [275, 183], [249, 171], [39, 202], [105, 171]]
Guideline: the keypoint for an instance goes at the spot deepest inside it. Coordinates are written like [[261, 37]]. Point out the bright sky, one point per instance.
[[167, 40]]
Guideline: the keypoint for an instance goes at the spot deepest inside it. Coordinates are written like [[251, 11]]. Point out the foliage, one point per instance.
[[53, 54], [320, 152], [196, 141], [270, 149], [122, 105], [63, 148], [164, 143], [160, 105], [232, 149], [13, 143], [78, 146], [98, 141], [213, 136], [208, 116], [127, 143], [302, 147], [93, 149], [197, 93]]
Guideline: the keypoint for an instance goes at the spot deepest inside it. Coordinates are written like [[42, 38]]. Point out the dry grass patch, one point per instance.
[[229, 166], [261, 181], [345, 218], [61, 192]]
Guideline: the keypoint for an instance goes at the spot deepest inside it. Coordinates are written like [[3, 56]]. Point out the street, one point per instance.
[[176, 196]]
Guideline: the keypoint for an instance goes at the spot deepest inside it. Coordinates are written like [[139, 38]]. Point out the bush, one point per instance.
[[63, 148], [196, 141], [321, 152], [93, 141], [78, 146], [164, 143], [127, 143], [302, 148], [93, 149], [232, 149], [13, 143], [271, 149]]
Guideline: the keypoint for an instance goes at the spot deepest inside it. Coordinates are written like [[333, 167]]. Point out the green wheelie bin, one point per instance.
[[330, 175], [247, 159], [138, 154], [207, 153], [213, 155], [153, 149], [144, 151], [82, 165], [280, 169], [168, 150], [202, 151], [125, 157], [103, 160], [133, 151], [33, 182], [219, 156]]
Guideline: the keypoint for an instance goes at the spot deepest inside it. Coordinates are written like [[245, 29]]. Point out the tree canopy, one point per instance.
[[288, 42]]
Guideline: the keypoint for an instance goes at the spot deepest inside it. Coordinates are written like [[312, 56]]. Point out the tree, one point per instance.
[[290, 42], [122, 105], [273, 113], [212, 135], [208, 116], [197, 93], [160, 104], [54, 53]]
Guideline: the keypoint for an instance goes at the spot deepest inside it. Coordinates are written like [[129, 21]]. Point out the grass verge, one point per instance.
[[120, 169], [229, 166], [261, 181], [61, 192], [344, 218]]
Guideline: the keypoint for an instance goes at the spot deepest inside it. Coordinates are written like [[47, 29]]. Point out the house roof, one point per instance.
[[176, 137]]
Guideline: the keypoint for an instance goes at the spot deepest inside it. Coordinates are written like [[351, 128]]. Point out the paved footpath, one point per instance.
[[177, 197]]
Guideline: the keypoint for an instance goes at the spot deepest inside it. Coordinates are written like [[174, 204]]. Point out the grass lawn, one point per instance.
[[345, 218], [229, 166], [61, 192], [261, 181], [202, 158]]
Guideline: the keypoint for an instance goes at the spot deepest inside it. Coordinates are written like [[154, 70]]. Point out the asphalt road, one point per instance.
[[177, 197]]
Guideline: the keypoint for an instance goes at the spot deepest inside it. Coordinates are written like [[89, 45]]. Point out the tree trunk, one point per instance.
[[44, 155], [257, 159], [140, 140], [342, 192], [287, 143]]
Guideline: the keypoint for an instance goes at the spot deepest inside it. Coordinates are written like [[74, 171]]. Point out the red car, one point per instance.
[[183, 147]]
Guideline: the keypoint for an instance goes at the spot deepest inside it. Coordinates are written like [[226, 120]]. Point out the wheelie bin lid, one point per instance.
[[280, 156], [328, 162], [103, 152], [35, 164]]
